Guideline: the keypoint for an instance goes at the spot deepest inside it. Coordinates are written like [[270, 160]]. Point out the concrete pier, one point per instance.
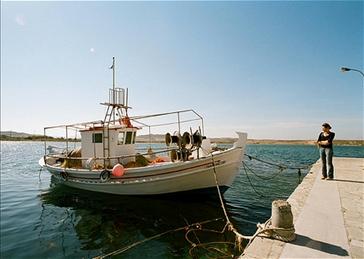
[[328, 216]]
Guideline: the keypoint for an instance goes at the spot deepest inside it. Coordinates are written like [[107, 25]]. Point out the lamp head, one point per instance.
[[345, 69]]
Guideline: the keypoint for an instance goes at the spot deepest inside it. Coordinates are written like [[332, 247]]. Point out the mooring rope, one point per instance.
[[250, 182], [40, 171], [282, 234], [278, 165], [197, 227], [229, 225], [280, 170]]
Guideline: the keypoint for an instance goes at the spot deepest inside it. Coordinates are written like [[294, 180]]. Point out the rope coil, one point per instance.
[[283, 234]]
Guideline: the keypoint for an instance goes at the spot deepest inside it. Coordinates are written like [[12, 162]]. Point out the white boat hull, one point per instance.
[[163, 178]]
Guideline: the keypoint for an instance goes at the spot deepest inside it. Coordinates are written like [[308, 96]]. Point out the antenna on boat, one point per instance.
[[113, 73], [113, 84]]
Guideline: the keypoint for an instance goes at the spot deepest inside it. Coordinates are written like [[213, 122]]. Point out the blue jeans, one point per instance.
[[326, 159]]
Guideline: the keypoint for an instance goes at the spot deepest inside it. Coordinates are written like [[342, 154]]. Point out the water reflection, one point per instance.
[[104, 222]]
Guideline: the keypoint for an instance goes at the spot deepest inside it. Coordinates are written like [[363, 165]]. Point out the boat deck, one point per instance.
[[328, 216]]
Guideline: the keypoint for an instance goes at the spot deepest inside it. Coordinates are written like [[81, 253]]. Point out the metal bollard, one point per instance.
[[282, 216]]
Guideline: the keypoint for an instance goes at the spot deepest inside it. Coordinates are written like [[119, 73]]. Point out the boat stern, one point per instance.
[[41, 162], [241, 142]]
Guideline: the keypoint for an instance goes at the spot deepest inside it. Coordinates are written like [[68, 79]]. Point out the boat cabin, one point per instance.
[[114, 141]]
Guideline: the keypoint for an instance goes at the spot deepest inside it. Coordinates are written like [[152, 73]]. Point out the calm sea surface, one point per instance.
[[43, 219]]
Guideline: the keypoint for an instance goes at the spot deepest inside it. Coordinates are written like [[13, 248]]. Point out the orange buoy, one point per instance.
[[126, 121], [158, 160], [118, 170]]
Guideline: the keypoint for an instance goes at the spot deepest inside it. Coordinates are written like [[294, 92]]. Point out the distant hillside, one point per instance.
[[14, 134], [21, 136]]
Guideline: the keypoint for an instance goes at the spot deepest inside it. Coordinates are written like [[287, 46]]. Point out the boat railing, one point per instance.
[[66, 128], [140, 120]]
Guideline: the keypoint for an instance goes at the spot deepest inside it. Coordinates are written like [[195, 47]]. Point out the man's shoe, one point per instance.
[[323, 178], [329, 178]]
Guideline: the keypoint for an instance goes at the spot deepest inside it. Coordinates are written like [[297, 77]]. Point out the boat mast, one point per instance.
[[113, 85], [118, 100]]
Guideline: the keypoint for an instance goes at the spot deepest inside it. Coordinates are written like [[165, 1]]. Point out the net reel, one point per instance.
[[185, 144]]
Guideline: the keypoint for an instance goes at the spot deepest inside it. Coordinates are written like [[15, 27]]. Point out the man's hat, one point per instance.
[[326, 125]]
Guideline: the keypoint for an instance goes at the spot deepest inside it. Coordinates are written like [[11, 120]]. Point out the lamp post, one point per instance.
[[346, 69]]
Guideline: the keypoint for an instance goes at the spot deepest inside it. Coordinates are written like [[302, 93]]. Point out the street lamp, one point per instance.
[[346, 69]]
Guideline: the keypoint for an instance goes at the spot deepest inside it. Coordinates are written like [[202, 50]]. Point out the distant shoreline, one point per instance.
[[142, 139], [338, 142], [278, 142], [36, 138]]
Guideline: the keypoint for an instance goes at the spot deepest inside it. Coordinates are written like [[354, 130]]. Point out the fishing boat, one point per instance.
[[104, 155]]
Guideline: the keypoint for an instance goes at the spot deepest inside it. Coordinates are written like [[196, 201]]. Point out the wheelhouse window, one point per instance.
[[96, 137], [134, 137], [126, 138], [129, 137], [121, 137]]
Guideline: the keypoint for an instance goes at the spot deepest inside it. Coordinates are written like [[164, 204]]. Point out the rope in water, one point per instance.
[[119, 251], [250, 182], [278, 165], [280, 170], [205, 246]]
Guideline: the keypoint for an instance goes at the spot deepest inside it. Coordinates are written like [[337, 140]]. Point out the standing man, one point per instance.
[[325, 143]]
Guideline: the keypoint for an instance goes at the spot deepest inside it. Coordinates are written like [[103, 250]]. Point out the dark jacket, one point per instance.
[[329, 137]]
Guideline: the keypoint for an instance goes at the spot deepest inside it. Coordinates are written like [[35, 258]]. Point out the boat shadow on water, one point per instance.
[[102, 223]]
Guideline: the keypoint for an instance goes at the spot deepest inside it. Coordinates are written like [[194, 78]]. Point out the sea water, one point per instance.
[[41, 218]]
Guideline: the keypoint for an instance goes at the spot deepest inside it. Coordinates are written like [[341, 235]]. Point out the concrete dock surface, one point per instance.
[[328, 216]]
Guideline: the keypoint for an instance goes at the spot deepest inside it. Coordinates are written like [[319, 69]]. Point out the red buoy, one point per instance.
[[118, 170]]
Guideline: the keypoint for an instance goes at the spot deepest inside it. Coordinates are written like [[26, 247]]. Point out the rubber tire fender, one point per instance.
[[64, 175], [104, 176]]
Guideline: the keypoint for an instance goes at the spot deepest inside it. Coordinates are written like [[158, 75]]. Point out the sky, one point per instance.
[[271, 69]]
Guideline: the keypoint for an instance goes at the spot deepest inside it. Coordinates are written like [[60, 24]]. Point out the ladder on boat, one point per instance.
[[106, 137], [108, 120]]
